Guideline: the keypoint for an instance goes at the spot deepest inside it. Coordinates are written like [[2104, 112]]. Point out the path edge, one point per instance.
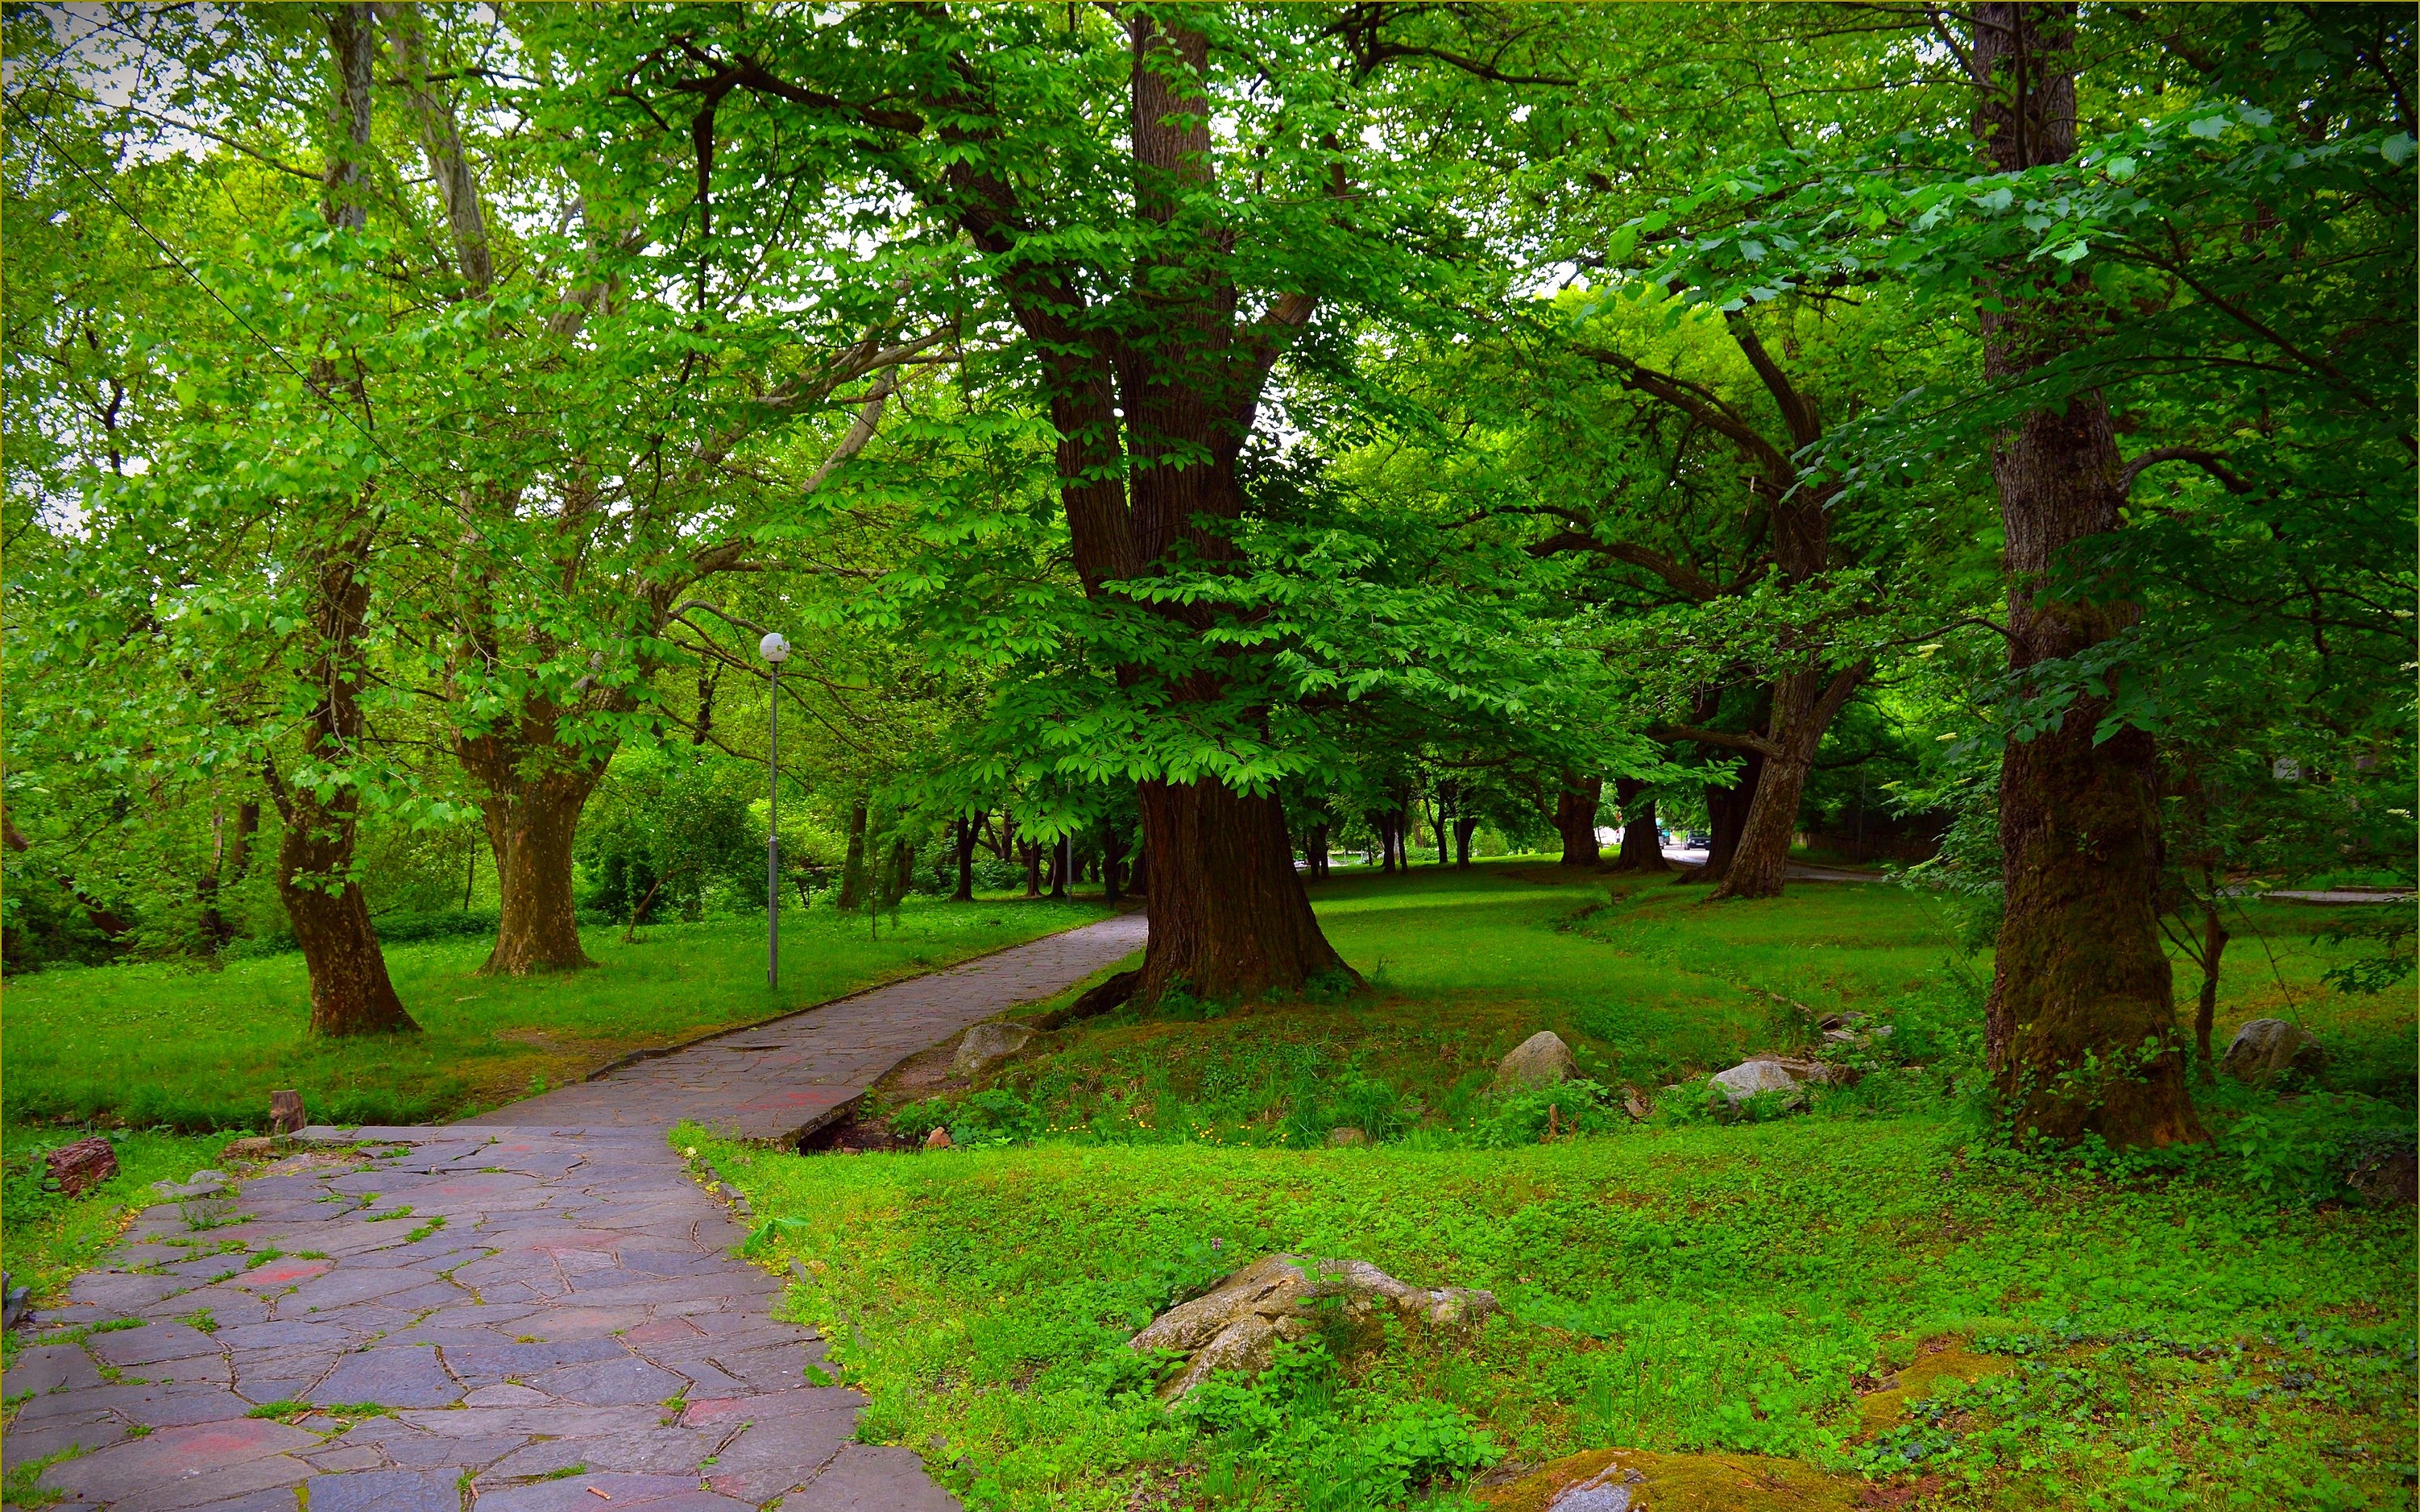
[[632, 1057]]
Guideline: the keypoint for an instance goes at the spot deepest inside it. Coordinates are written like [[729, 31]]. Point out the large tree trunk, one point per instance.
[[2081, 1026], [1804, 706], [350, 992], [1575, 808], [1643, 843], [1465, 826], [1229, 916], [1727, 810], [531, 832]]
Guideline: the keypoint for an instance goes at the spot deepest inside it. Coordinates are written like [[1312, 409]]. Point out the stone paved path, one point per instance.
[[782, 1079], [543, 1307]]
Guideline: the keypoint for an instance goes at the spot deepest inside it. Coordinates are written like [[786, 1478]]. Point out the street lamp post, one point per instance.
[[775, 651]]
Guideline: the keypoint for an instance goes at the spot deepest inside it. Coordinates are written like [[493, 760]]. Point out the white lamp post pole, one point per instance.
[[775, 651]]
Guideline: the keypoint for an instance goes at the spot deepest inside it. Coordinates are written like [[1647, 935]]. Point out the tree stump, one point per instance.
[[82, 1165], [285, 1115]]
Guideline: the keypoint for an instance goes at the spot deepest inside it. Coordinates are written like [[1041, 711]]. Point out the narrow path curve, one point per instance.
[[534, 1311]]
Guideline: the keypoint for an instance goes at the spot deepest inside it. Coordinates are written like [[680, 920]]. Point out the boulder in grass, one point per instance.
[[988, 1046], [938, 1138], [2266, 1049], [1541, 1060], [82, 1165], [1238, 1323], [1344, 1133], [1777, 1073]]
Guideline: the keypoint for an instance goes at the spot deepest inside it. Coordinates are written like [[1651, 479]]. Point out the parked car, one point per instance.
[[1700, 841]]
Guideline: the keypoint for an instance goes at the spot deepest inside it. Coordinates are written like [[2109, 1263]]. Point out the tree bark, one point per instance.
[[852, 866], [1575, 808], [1443, 830], [1727, 816], [965, 850], [2213, 947], [1804, 706], [1229, 916], [532, 792], [1113, 853], [1643, 844], [350, 993], [2081, 1024], [1464, 827]]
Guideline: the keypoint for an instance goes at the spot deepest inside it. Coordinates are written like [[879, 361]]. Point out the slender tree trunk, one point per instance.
[[231, 860], [852, 866], [706, 679], [965, 838], [1229, 916], [1804, 706], [1062, 857], [2213, 947], [2081, 1026], [1642, 845], [1443, 853], [1113, 853], [1464, 827], [350, 993], [1576, 818], [1032, 851]]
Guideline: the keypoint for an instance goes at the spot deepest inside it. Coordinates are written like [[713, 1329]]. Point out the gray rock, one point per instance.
[[199, 1184], [1239, 1323], [2265, 1049], [1540, 1061], [1344, 1133], [987, 1046], [1775, 1074]]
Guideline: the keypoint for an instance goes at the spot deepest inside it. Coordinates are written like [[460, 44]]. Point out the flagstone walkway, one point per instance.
[[535, 1312]]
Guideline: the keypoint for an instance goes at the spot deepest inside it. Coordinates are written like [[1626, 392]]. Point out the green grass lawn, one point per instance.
[[1872, 1290], [179, 1046]]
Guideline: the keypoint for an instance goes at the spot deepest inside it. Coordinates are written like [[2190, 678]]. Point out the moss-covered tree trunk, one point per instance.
[[2081, 1026]]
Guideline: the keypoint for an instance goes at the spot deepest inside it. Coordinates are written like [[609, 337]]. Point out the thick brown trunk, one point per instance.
[[1314, 852], [1575, 808], [350, 993], [2081, 1025], [1229, 916], [1061, 854], [1727, 810], [1464, 828], [530, 828], [1643, 844], [1804, 706], [852, 866]]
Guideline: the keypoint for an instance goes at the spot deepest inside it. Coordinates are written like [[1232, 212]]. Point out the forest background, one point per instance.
[[1182, 443]]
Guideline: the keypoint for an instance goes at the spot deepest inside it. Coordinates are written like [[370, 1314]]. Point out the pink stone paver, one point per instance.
[[578, 1308]]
